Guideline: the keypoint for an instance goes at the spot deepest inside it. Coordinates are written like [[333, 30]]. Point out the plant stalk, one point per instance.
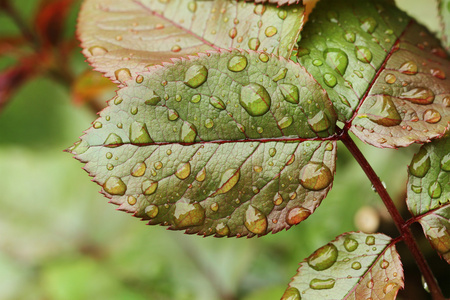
[[402, 226]]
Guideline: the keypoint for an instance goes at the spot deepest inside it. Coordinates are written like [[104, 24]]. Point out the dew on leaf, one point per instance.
[[281, 74], [232, 33], [114, 186], [259, 130], [257, 169], [363, 54], [255, 220], [315, 176], [369, 24], [175, 48], [370, 240], [123, 75], [264, 57], [133, 110], [209, 123], [319, 122], [131, 200], [323, 258], [330, 79], [188, 133], [317, 62], [222, 229], [438, 73], [187, 214], [149, 187], [290, 92], [139, 169], [255, 190], [192, 6], [431, 116], [270, 31], [139, 133], [237, 63], [285, 122], [277, 199], [290, 161], [332, 16], [390, 78], [416, 189], [151, 211], [272, 152], [322, 284], [409, 68], [296, 215], [201, 176], [350, 244], [113, 140], [254, 43], [282, 14], [195, 76], [183, 170], [329, 147], [302, 52], [139, 79], [390, 287], [336, 59], [445, 163], [356, 265], [255, 99], [383, 112], [350, 37], [153, 99], [196, 98], [109, 155], [446, 101], [228, 180], [172, 115], [384, 264], [291, 294], [109, 167], [435, 190], [420, 163], [214, 206], [97, 50], [259, 9], [217, 103], [118, 100]]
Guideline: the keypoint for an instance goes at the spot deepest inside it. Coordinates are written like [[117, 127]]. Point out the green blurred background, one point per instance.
[[60, 239]]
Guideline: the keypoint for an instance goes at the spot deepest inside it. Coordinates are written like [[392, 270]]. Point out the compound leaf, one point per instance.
[[229, 143], [123, 38], [429, 193], [353, 266]]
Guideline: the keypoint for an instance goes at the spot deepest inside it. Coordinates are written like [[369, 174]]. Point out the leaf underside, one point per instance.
[[429, 193], [123, 38], [231, 150], [353, 266]]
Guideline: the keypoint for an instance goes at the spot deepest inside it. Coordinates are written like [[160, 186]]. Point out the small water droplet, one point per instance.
[[149, 187], [369, 24], [192, 6], [285, 122], [330, 79], [151, 211], [281, 74], [431, 116], [384, 264], [217, 103], [139, 169], [131, 200], [322, 284], [188, 133], [97, 50], [196, 98], [209, 123], [332, 16], [183, 170], [259, 130], [438, 73], [222, 229], [416, 189], [420, 163], [114, 186], [254, 43], [445, 163], [201, 176], [329, 147], [317, 62], [370, 240], [110, 167], [390, 78], [323, 258], [255, 220], [153, 99], [272, 152], [255, 99], [139, 79], [195, 76], [435, 190], [296, 215], [228, 180], [237, 63], [264, 57], [409, 68], [363, 54], [350, 244], [282, 14], [97, 125], [133, 110], [188, 214], [122, 75], [172, 115], [271, 31], [259, 9], [214, 206], [232, 33], [356, 265], [290, 92], [350, 37]]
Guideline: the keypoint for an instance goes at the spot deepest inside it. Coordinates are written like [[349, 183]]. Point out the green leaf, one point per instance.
[[384, 73], [444, 10], [429, 193], [227, 143], [353, 266], [125, 37]]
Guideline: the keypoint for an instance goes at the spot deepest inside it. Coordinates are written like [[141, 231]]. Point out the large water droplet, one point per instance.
[[217, 103], [363, 54], [151, 211], [435, 190], [172, 115], [323, 258], [201, 176], [285, 122], [291, 294], [122, 75], [369, 24], [229, 179], [281, 74], [282, 14], [290, 92], [254, 43], [390, 78], [356, 265], [330, 79], [315, 176], [255, 220], [195, 76], [270, 31], [431, 116], [187, 214], [153, 98], [296, 215], [97, 50], [149, 187], [237, 63], [350, 244], [139, 169], [113, 140], [319, 122], [322, 284], [409, 68], [196, 98], [336, 59], [420, 163], [222, 229], [350, 37], [383, 111], [419, 96], [183, 170], [188, 133], [255, 99], [277, 199], [139, 133], [114, 186]]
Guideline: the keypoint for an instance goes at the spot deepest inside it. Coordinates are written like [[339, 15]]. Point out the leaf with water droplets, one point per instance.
[[429, 193], [123, 38], [353, 266], [249, 162]]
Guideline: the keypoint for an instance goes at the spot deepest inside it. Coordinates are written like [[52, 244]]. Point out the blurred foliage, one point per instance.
[[60, 239]]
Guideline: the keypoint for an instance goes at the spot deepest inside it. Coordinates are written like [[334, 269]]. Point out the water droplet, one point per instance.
[[270, 31], [139, 133], [259, 130], [329, 147], [332, 16], [183, 170], [420, 163], [257, 169], [350, 244], [369, 24], [113, 140], [363, 54], [133, 110], [151, 211], [319, 122], [254, 43], [172, 115], [255, 220], [232, 33], [229, 179], [383, 111], [285, 122], [350, 37], [97, 50], [187, 214], [336, 59], [272, 152], [323, 258], [431, 116], [201, 175], [109, 155], [153, 99], [131, 200], [139, 169], [281, 74], [435, 190], [296, 215], [384, 264], [356, 265], [290, 92], [409, 68], [188, 133], [217, 103], [195, 76], [390, 78], [196, 98], [109, 167], [149, 187], [175, 48], [315, 176], [139, 79], [370, 284], [438, 73], [192, 6], [317, 62], [209, 123], [330, 79], [114, 186], [370, 240], [97, 125], [445, 163], [237, 63], [282, 14], [291, 294], [322, 284], [291, 160], [446, 101], [255, 99], [222, 229], [391, 286], [277, 199], [416, 189], [259, 9], [264, 57], [214, 206]]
